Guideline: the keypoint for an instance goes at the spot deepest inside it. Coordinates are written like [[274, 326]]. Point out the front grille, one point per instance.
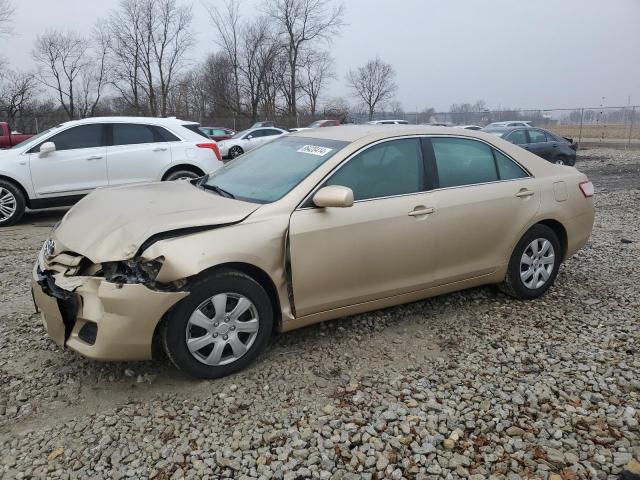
[[67, 263]]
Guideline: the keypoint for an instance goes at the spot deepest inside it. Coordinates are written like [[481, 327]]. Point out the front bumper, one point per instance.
[[125, 316]]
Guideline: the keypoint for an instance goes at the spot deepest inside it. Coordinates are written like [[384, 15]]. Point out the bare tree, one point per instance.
[[316, 71], [300, 23], [147, 52], [259, 51], [395, 108], [228, 24], [373, 83], [17, 89], [66, 65], [6, 16]]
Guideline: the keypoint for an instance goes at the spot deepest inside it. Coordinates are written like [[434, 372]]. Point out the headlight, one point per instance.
[[136, 270]]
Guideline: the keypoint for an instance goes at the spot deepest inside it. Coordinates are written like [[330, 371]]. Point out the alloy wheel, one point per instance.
[[559, 161], [537, 263], [222, 329], [8, 204], [235, 152]]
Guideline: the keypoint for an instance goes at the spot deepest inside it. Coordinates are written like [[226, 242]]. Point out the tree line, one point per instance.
[[274, 64]]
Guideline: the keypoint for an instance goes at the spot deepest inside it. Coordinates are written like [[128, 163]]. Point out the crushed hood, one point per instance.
[[112, 223]]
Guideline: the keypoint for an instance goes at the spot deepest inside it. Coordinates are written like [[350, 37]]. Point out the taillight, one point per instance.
[[213, 147], [586, 188]]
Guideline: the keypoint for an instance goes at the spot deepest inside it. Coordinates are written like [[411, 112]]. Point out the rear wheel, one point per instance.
[[534, 264], [561, 160], [12, 204], [221, 327], [182, 175]]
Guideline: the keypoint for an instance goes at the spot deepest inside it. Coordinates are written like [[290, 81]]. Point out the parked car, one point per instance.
[[313, 226], [267, 124], [60, 165], [543, 143], [9, 139], [218, 133], [469, 127], [512, 123], [248, 140], [388, 122], [317, 124]]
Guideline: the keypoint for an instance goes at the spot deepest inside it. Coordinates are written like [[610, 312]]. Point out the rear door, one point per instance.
[[482, 203], [539, 144], [379, 247], [77, 166], [137, 152]]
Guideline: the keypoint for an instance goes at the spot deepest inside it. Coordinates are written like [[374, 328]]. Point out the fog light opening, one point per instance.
[[88, 333]]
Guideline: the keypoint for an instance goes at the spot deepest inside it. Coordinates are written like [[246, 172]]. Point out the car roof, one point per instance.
[[172, 121], [352, 133]]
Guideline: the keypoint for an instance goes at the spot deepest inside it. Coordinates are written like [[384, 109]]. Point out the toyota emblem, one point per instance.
[[49, 247]]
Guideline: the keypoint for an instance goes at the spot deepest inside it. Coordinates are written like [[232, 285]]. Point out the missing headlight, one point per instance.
[[136, 270]]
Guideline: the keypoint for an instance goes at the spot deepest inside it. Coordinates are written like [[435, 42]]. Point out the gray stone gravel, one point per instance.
[[469, 385]]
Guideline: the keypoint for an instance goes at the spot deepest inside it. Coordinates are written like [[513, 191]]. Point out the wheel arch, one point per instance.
[[560, 230], [256, 273], [182, 166], [20, 187]]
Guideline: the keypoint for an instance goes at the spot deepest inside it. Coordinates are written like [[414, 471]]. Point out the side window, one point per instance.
[[519, 137], [537, 136], [217, 132], [255, 134], [551, 137], [271, 132], [83, 136], [463, 162], [390, 168], [132, 134], [164, 135], [507, 168]]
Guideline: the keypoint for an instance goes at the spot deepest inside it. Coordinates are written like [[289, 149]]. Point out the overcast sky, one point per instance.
[[526, 54]]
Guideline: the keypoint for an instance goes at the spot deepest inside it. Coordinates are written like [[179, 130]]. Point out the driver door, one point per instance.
[[379, 247], [78, 165]]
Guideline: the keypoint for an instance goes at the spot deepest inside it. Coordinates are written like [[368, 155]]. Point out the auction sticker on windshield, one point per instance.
[[315, 150]]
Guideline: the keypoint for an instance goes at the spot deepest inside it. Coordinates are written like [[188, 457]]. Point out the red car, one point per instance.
[[217, 133], [8, 139]]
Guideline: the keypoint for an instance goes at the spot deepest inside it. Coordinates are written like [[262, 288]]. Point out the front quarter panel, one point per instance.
[[259, 241]]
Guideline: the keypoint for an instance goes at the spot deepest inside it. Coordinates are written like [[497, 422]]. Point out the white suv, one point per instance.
[[60, 165]]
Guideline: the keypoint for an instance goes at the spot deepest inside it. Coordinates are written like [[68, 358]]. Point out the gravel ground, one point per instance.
[[468, 385]]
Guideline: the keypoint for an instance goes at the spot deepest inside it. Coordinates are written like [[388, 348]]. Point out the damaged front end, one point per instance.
[[106, 311]]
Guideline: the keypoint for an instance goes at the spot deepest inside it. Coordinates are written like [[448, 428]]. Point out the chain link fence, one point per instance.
[[616, 127]]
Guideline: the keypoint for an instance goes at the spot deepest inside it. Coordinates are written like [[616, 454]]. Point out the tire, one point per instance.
[[12, 204], [235, 151], [527, 287], [181, 175], [210, 357], [561, 160]]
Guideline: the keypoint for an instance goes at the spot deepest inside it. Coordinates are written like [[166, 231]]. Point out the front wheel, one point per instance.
[[235, 152], [12, 204], [534, 264], [182, 175], [221, 327]]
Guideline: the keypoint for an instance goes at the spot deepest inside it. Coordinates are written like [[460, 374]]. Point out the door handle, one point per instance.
[[525, 193], [421, 211], [94, 157], [160, 149]]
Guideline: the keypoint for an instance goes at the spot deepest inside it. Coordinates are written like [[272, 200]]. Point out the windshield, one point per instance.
[[239, 134], [33, 139], [268, 173], [316, 124]]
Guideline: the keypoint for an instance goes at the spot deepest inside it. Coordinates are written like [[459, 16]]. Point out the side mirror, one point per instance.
[[46, 148], [335, 196], [249, 137]]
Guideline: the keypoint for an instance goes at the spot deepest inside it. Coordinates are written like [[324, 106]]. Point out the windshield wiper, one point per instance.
[[220, 191]]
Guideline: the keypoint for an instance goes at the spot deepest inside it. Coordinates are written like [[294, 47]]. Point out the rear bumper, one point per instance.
[[124, 317]]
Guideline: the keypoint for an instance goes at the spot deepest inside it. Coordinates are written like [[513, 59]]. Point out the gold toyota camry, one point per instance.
[[313, 226]]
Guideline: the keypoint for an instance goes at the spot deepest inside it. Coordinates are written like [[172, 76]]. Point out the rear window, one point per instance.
[[195, 128]]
